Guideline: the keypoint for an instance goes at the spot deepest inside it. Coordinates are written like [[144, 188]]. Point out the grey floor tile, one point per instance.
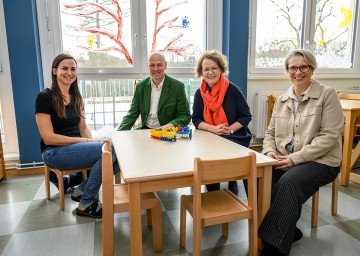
[[227, 250], [3, 242], [31, 224], [122, 238], [15, 178], [352, 190], [351, 227], [44, 214], [11, 215], [348, 206], [211, 236], [327, 241], [54, 192], [71, 240], [11, 192]]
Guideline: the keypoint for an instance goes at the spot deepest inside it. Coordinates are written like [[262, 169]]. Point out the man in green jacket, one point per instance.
[[160, 100]]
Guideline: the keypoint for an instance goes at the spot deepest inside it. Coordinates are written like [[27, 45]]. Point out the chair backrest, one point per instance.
[[348, 96], [271, 102], [213, 171], [107, 174]]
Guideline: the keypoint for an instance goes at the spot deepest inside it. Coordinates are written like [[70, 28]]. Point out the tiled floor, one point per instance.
[[32, 225]]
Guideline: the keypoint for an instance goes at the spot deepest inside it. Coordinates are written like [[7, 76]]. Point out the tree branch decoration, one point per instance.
[[114, 36], [88, 9], [171, 45]]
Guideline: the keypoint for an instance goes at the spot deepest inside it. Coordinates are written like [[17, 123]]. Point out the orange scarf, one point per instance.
[[213, 111]]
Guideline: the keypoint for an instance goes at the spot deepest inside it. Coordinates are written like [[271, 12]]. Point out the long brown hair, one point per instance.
[[58, 105]]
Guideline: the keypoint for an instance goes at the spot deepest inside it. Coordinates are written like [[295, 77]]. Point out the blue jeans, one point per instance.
[[81, 155]]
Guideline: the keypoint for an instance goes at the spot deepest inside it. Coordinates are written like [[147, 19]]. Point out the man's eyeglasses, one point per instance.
[[293, 69], [207, 70]]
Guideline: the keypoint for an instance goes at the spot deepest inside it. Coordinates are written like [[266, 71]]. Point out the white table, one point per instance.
[[149, 165]]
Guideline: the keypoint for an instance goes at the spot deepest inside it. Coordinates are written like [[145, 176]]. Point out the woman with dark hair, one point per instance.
[[66, 141]]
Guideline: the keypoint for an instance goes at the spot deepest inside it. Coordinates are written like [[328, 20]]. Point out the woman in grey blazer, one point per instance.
[[304, 135]]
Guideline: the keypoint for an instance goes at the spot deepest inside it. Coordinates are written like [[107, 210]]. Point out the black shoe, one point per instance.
[[75, 179], [53, 177], [75, 198], [233, 187], [76, 195], [298, 235], [270, 250], [54, 180], [94, 210]]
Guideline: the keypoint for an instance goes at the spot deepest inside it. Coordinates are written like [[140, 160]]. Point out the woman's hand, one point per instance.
[[219, 129], [89, 140], [272, 155], [284, 163]]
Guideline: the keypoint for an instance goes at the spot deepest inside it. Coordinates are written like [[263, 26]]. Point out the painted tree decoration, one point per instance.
[[88, 9], [171, 45], [114, 36]]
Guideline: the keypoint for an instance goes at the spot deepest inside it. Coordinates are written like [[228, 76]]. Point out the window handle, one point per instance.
[[135, 40]]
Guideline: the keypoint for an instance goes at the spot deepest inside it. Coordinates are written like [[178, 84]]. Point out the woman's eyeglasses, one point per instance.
[[208, 70], [293, 69]]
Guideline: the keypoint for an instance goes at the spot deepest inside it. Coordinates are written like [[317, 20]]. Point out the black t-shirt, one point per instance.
[[68, 127]]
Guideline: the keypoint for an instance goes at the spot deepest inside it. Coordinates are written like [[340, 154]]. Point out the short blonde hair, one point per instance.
[[214, 55], [308, 56]]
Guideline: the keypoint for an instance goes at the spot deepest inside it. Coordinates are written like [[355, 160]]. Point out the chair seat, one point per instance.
[[121, 199], [219, 203], [216, 205]]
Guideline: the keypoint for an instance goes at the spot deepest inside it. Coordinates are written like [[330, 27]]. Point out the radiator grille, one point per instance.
[[260, 112]]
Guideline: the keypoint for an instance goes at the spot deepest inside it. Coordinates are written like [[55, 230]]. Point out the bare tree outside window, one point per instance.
[[280, 29]]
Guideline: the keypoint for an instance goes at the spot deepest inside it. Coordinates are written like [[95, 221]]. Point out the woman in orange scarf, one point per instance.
[[219, 105]]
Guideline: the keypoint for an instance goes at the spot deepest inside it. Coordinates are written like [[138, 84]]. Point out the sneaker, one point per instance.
[[94, 210], [76, 195]]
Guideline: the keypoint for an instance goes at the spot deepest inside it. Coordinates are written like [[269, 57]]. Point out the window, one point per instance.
[[8, 130], [112, 39], [327, 28]]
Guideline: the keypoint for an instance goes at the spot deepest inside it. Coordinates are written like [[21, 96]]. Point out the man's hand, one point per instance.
[[166, 126]]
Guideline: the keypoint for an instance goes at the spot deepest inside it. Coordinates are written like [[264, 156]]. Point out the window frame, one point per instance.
[[11, 145], [50, 41], [308, 35]]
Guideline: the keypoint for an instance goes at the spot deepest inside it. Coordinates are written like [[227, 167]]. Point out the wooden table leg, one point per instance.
[[347, 148], [135, 219]]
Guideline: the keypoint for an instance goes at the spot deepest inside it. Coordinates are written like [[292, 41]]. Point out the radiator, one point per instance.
[[260, 112]]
